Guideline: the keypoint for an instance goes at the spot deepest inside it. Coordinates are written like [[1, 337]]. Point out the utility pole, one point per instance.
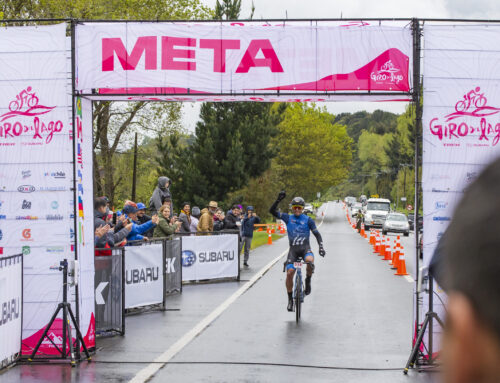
[[134, 173]]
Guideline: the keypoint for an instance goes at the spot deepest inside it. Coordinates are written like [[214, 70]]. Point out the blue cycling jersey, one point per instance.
[[299, 228]]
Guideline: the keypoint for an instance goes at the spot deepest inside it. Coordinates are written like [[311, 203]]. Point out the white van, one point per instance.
[[376, 211]]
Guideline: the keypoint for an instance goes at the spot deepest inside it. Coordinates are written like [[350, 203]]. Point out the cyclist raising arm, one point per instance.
[[299, 227]]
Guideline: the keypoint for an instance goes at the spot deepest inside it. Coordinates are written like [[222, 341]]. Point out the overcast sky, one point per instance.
[[276, 9]]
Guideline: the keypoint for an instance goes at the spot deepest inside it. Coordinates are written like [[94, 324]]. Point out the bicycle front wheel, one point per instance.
[[298, 301]]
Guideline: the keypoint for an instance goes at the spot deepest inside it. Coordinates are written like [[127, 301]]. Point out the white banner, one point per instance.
[[236, 58], [36, 170], [11, 290], [461, 121], [143, 275], [210, 257]]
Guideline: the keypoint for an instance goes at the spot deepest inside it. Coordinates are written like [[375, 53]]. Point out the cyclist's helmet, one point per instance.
[[298, 201]]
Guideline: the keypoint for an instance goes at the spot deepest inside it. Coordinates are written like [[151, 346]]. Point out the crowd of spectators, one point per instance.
[[132, 223]]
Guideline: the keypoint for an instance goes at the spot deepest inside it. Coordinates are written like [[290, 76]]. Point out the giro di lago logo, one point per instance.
[[26, 116], [472, 117], [387, 73]]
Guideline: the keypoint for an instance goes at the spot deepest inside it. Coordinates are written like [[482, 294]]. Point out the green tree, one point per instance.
[[314, 152]]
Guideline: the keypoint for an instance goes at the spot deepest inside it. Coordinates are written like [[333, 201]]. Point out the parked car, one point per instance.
[[376, 211], [350, 200], [411, 221], [355, 208], [396, 223]]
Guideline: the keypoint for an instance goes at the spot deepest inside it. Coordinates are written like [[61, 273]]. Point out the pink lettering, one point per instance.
[[436, 130], [79, 128], [54, 128], [145, 44], [17, 129], [452, 127], [36, 124], [7, 126], [483, 130], [463, 129], [169, 53], [497, 136], [219, 47], [250, 60]]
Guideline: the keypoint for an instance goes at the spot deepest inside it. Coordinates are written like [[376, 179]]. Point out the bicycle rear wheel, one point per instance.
[[298, 300]]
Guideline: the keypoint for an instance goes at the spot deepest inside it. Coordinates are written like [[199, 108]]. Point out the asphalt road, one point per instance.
[[356, 326]]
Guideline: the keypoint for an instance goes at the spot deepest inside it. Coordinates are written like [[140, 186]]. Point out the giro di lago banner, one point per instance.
[[239, 60], [461, 120], [36, 172]]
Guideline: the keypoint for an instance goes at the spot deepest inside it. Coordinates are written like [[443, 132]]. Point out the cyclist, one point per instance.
[[298, 226]]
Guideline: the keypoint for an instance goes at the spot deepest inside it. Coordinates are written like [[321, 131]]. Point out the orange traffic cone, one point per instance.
[[362, 232], [282, 229], [272, 229], [376, 247], [269, 238], [396, 253], [381, 251], [401, 264], [387, 255], [372, 237]]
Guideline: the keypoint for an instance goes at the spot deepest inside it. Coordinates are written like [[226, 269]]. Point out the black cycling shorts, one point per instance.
[[297, 252]]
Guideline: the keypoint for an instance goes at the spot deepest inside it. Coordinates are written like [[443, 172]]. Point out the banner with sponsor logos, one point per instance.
[[36, 173], [173, 266], [244, 59], [461, 121], [11, 305], [210, 257], [143, 275]]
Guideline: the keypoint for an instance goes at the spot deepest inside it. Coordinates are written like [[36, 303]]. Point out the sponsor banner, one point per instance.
[[210, 257], [143, 275], [461, 124], [227, 59], [173, 266], [11, 308]]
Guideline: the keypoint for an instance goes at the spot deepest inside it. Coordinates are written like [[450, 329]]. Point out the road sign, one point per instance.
[[409, 207], [403, 199]]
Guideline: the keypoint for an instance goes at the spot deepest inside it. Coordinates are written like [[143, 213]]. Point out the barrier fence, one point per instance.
[[11, 304], [144, 273]]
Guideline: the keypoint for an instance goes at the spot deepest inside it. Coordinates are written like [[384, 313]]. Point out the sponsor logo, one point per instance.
[[54, 205], [54, 339], [55, 249], [60, 175], [52, 188], [455, 126], [26, 189], [170, 266], [147, 46], [26, 217], [215, 256], [388, 73], [144, 275], [71, 233], [26, 204], [54, 217], [10, 310], [3, 216], [188, 258], [439, 218], [435, 190], [26, 250], [25, 118], [26, 173], [440, 205], [1, 235], [26, 233]]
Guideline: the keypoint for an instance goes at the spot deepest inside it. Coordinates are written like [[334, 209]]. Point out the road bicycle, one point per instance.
[[298, 286], [473, 98], [25, 98]]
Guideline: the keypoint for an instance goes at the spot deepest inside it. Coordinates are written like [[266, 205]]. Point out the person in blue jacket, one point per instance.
[[247, 226], [137, 230]]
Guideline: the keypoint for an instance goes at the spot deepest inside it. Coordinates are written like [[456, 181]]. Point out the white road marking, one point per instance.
[[147, 372], [409, 279]]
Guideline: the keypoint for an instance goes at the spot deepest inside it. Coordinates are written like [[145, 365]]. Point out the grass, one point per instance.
[[260, 238]]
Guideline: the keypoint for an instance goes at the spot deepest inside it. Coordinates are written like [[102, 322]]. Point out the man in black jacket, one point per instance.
[[232, 220]]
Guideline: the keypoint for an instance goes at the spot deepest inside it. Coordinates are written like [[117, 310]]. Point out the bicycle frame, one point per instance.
[[298, 287]]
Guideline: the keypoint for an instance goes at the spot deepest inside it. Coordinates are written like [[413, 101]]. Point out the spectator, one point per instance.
[[247, 228], [99, 212], [160, 194], [185, 218], [143, 218], [106, 238], [166, 225], [206, 223], [219, 220], [138, 230], [232, 220], [469, 272], [195, 218]]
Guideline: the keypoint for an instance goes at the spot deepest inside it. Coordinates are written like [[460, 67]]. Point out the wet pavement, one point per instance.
[[355, 326]]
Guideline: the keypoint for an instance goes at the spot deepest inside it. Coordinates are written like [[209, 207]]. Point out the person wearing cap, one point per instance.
[[137, 230], [247, 227], [142, 218], [185, 218], [206, 223]]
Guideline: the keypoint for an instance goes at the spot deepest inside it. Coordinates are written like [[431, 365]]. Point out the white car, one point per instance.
[[308, 208], [396, 223]]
